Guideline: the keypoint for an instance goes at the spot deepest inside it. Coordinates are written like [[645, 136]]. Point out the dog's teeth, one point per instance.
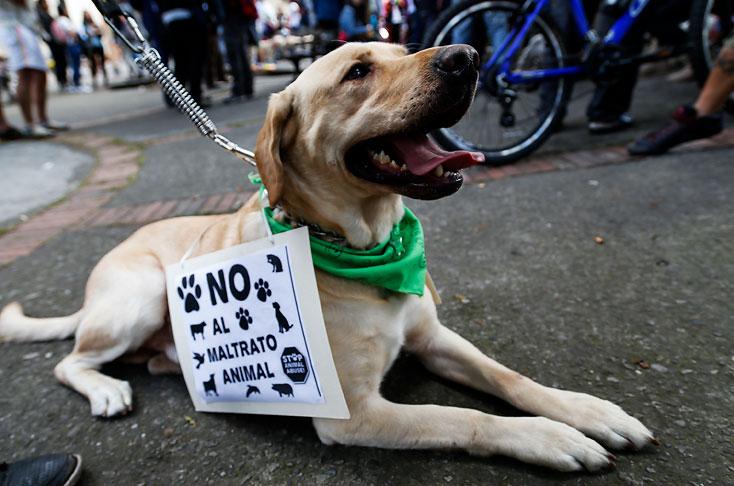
[[438, 171], [393, 164], [403, 167]]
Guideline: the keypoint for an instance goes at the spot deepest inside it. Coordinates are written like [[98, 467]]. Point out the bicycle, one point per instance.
[[526, 73]]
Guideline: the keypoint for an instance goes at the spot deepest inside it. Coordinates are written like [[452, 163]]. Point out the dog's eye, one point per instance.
[[357, 71]]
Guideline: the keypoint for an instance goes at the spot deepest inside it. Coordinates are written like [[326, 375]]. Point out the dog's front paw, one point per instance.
[[110, 397], [545, 442], [604, 421]]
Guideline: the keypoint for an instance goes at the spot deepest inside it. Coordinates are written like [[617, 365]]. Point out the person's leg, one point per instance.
[[24, 94], [100, 54], [197, 50], [3, 122], [59, 54], [497, 28], [91, 55], [75, 55], [235, 57], [719, 85], [175, 39], [211, 44], [613, 97], [703, 119], [247, 79], [39, 95]]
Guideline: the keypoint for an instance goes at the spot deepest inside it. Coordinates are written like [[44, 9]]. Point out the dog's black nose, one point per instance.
[[457, 60]]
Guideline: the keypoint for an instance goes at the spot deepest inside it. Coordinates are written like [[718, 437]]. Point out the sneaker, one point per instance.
[[55, 125], [37, 131], [10, 133], [686, 126], [49, 470], [600, 127]]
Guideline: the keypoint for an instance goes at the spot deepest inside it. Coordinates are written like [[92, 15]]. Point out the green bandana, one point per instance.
[[398, 263]]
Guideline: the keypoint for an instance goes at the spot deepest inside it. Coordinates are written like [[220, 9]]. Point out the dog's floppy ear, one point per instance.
[[267, 150]]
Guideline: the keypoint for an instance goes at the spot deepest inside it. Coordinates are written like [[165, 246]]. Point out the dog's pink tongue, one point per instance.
[[422, 155]]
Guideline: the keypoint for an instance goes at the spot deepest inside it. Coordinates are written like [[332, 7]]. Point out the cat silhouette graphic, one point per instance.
[[276, 263]]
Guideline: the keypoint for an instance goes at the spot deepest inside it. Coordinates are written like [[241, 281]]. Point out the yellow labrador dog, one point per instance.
[[339, 147]]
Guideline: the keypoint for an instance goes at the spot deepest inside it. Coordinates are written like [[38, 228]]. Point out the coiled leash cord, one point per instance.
[[149, 59]]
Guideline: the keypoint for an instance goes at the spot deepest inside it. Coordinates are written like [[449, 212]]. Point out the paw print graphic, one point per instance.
[[263, 290], [245, 319], [190, 292]]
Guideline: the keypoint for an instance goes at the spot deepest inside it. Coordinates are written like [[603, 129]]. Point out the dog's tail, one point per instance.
[[15, 326]]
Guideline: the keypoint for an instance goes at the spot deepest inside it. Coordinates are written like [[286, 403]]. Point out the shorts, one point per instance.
[[23, 48]]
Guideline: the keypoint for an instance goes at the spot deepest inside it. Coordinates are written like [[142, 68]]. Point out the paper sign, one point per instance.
[[249, 331]]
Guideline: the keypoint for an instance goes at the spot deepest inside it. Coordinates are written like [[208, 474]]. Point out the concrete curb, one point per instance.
[[116, 165]]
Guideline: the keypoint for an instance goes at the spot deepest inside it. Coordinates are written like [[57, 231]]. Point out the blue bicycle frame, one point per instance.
[[513, 41]]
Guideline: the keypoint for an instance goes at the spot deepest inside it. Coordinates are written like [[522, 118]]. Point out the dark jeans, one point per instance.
[[58, 53], [613, 97], [420, 22], [75, 55], [236, 40], [186, 41]]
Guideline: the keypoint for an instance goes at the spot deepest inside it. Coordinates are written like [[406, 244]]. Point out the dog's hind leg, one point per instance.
[[115, 322], [160, 364], [449, 355]]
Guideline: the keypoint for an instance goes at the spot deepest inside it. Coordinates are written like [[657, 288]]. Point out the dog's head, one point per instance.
[[356, 122]]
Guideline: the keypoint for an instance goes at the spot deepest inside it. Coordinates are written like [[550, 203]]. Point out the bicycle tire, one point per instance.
[[495, 156], [700, 52]]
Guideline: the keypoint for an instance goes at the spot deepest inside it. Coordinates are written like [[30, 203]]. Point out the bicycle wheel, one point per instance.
[[709, 24], [503, 135]]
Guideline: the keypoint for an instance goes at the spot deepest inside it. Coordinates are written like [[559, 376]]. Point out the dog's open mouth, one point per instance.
[[411, 164]]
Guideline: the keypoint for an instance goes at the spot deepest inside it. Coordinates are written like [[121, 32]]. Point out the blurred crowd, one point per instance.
[[211, 43], [207, 42]]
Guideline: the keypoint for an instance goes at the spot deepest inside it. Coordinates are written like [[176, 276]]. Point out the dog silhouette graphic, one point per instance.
[[283, 325], [210, 386]]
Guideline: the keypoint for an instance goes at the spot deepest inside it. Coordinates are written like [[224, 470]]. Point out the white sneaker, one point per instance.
[[54, 125], [37, 131]]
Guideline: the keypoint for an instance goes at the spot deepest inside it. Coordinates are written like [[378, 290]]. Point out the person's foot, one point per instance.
[[49, 470], [36, 131], [600, 127], [686, 126], [55, 126], [10, 133], [233, 99]]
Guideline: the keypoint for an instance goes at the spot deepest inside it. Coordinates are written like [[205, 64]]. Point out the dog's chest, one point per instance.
[[366, 335]]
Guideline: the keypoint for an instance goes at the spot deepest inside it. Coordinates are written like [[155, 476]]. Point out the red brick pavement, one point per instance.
[[118, 165]]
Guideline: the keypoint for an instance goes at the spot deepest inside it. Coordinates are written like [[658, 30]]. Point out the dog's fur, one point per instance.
[[300, 154]]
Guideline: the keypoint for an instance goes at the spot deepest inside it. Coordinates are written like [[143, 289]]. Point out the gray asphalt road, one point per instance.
[[521, 276]]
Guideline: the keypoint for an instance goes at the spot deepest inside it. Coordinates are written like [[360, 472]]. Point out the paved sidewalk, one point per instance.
[[36, 174]]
